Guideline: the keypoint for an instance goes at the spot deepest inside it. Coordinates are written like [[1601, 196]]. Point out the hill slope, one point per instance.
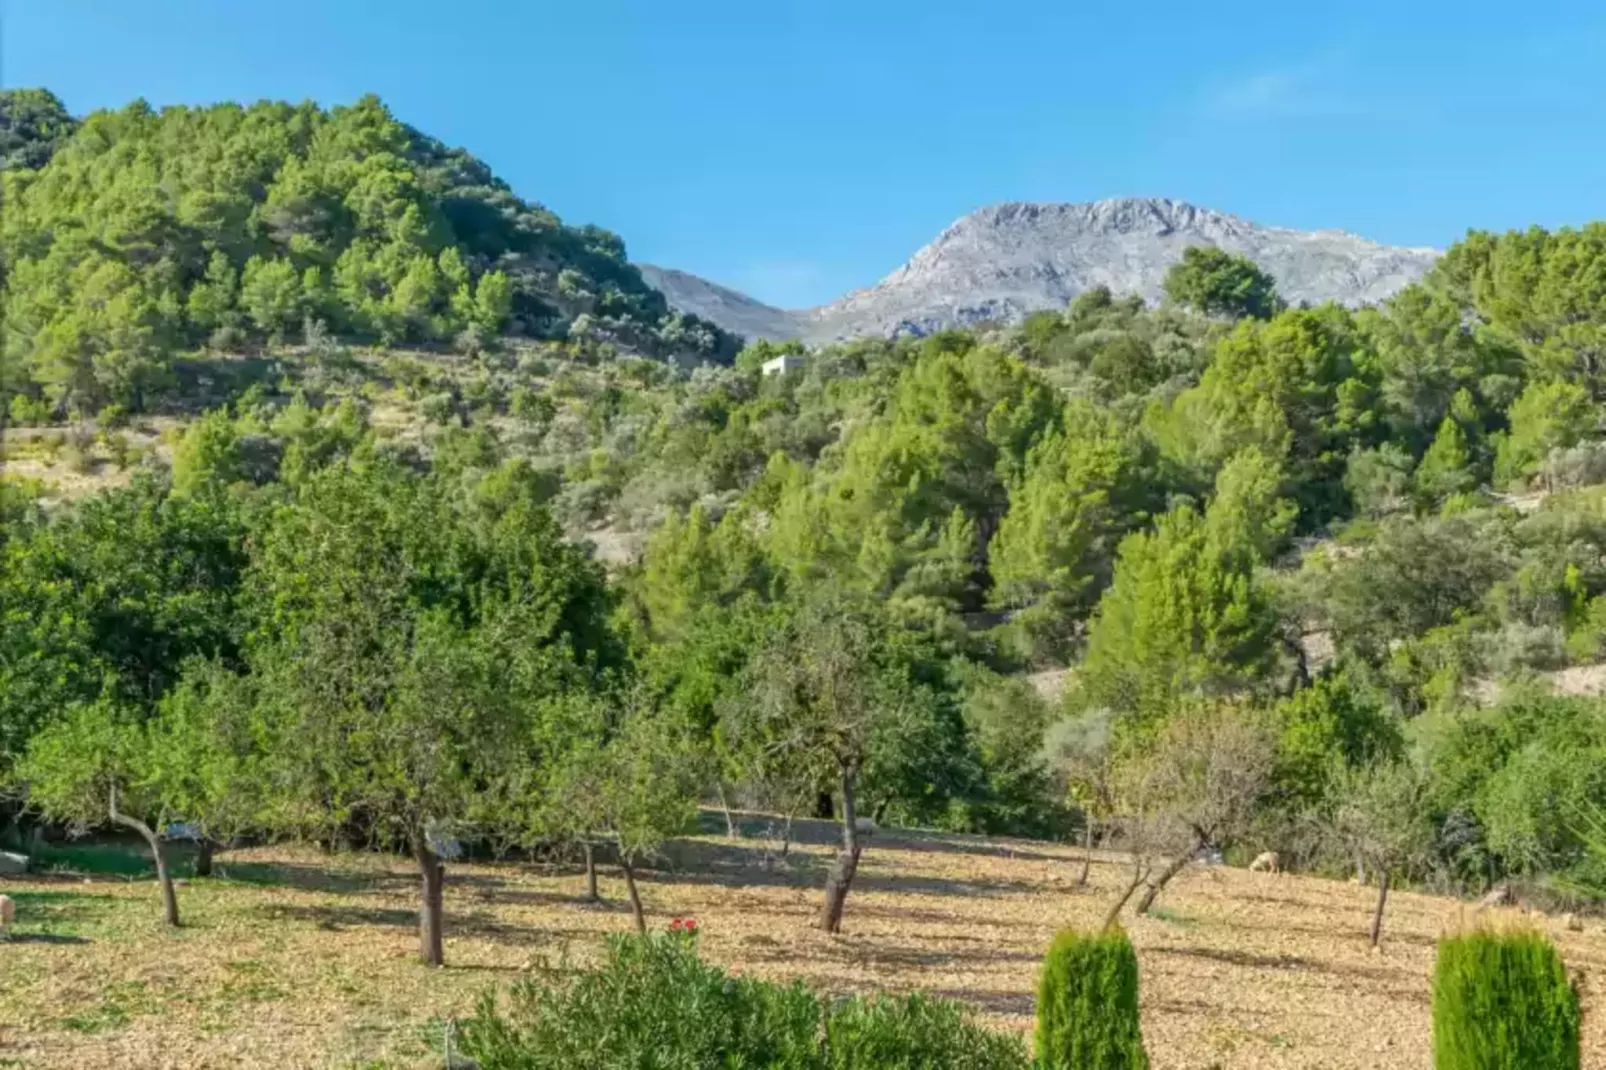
[[139, 234], [1005, 261], [732, 310]]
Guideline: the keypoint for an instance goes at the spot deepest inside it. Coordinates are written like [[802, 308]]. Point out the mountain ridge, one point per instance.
[[1009, 259]]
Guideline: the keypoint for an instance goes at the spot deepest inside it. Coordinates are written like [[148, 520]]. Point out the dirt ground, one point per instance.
[[295, 959]]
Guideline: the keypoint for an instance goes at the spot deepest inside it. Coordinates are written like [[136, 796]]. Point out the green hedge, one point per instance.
[[1087, 1004], [1503, 1000], [655, 1005]]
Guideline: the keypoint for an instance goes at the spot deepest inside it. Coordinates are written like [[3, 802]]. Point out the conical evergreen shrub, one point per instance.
[[1087, 1004], [1503, 1000]]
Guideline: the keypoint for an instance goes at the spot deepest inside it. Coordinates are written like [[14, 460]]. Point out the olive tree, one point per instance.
[[1202, 779], [1385, 817], [830, 697], [631, 781]]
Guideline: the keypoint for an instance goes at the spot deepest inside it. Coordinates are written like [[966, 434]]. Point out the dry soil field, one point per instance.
[[300, 960]]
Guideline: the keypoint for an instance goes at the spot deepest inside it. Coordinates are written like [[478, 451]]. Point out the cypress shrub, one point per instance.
[[1503, 1000], [1087, 1004]]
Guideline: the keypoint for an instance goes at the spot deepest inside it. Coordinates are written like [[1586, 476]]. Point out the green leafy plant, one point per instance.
[[1087, 1004], [655, 1003], [1503, 1000]]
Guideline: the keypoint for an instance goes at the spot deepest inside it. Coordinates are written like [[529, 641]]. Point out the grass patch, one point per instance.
[[61, 914], [1171, 917], [251, 981], [118, 1006]]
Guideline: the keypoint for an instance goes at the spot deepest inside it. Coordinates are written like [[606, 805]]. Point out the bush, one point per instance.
[[655, 1003], [915, 1033], [1503, 1000], [1087, 1004]]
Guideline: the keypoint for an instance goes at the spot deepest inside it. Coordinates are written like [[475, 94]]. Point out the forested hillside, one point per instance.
[[1329, 554], [136, 235]]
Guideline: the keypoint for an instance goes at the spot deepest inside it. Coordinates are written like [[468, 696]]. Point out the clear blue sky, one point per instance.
[[797, 148]]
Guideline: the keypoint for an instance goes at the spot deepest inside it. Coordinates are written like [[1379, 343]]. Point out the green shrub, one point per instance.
[[1087, 1004], [654, 1004], [1503, 1000], [915, 1033]]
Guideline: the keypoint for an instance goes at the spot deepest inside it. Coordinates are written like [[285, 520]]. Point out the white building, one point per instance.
[[786, 362]]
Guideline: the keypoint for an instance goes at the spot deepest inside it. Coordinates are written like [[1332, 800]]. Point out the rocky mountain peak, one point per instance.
[[1010, 259]]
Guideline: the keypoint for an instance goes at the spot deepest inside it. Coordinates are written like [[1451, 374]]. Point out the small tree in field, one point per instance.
[[1205, 774], [91, 766], [633, 785], [1087, 1004], [409, 650], [204, 759], [1384, 817], [824, 699], [1503, 1000], [1078, 753]]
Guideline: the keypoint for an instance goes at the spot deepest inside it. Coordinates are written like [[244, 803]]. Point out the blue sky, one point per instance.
[[799, 148]]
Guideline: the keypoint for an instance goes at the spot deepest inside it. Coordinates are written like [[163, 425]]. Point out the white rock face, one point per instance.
[[1003, 262]]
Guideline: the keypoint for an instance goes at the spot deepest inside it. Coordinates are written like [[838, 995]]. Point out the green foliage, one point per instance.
[[1446, 469], [1548, 416], [655, 1003], [1324, 730], [1055, 547], [1503, 1000], [914, 1033], [1297, 388], [1219, 283], [1536, 293], [1087, 1004], [72, 766], [144, 233], [405, 649], [108, 601], [33, 125], [1185, 611], [836, 695]]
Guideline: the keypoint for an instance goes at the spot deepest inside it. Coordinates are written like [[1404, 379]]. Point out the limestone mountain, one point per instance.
[[1011, 259]]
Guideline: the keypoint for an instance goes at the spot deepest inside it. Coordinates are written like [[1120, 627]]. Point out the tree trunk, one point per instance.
[[1382, 901], [433, 872], [203, 857], [635, 896], [786, 833], [592, 895], [163, 877], [1087, 853], [824, 809], [730, 822], [1175, 866], [847, 859], [1139, 875]]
